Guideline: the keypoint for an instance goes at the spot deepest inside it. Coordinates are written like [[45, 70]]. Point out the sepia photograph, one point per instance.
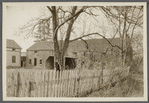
[[74, 51]]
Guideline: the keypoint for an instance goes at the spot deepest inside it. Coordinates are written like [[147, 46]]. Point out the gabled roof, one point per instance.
[[92, 44], [77, 46], [12, 44], [42, 45]]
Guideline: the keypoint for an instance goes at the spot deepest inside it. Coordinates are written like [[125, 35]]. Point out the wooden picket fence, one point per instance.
[[51, 83]]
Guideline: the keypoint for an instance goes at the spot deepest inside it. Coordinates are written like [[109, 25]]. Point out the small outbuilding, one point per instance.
[[41, 56], [13, 54]]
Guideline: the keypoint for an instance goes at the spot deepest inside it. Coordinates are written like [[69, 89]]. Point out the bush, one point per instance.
[[131, 86]]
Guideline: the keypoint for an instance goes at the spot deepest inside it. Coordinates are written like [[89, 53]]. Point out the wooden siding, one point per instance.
[[17, 54]]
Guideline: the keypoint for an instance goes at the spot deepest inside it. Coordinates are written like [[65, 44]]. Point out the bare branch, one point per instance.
[[131, 19], [65, 11], [80, 11], [50, 9], [109, 13], [99, 35], [133, 30], [87, 47]]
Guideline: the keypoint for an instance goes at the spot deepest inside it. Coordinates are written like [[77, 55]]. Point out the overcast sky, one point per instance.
[[17, 16]]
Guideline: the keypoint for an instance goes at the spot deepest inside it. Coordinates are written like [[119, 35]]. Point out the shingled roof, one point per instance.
[[92, 44], [12, 44], [42, 45], [78, 46]]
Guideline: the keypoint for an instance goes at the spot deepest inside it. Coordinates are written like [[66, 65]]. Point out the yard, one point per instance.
[[132, 86], [51, 83]]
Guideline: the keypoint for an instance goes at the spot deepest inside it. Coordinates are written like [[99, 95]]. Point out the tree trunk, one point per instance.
[[55, 41], [66, 42], [59, 53], [62, 62]]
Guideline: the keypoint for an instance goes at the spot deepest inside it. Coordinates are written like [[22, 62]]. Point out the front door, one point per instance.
[[35, 61]]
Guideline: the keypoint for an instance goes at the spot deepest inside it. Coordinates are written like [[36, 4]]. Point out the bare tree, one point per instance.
[[72, 16], [125, 19], [61, 21]]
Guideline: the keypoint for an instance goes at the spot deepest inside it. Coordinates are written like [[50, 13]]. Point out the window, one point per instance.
[[13, 49], [13, 59], [40, 61], [35, 51], [35, 61], [30, 61]]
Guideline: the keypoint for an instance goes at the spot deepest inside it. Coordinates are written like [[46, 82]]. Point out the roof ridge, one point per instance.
[[41, 45], [12, 44], [77, 45]]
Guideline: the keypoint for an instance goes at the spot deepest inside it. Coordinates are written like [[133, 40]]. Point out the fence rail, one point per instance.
[[51, 83]]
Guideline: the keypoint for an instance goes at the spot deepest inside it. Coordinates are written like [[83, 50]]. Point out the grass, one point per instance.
[[131, 86]]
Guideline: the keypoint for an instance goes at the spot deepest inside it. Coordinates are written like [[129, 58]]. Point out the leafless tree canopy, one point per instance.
[[61, 25]]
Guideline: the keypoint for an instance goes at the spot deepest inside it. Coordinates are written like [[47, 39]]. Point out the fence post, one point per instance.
[[50, 91], [73, 83], [47, 95], [54, 82], [76, 83], [18, 84], [60, 83], [40, 84], [68, 85], [64, 80], [70, 82]]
